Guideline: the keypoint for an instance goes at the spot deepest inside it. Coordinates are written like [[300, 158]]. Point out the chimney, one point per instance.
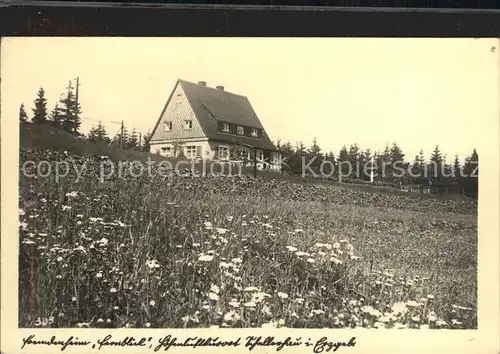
[[221, 88], [202, 83]]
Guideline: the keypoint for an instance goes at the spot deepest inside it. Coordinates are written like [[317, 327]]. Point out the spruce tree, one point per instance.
[[146, 138], [98, 134], [436, 162], [40, 110], [55, 117], [70, 111], [23, 117]]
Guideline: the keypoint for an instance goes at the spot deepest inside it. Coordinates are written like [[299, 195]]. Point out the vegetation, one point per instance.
[[175, 251]]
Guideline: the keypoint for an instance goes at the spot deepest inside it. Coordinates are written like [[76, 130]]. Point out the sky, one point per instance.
[[418, 93]]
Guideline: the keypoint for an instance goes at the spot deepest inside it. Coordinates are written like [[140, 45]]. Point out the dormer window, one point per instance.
[[240, 130], [255, 132], [188, 124], [225, 127], [168, 126]]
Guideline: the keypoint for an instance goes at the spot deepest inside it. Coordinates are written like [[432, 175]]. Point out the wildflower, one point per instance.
[[100, 320], [432, 316], [281, 322], [291, 248], [282, 295], [311, 260], [266, 310], [214, 288], [250, 304], [252, 288], [299, 230], [231, 316], [213, 296], [98, 275], [208, 225], [65, 207], [73, 299], [317, 312], [59, 259], [430, 297], [221, 231], [399, 308], [244, 223], [335, 260], [300, 253], [416, 318], [21, 212], [411, 303], [205, 258], [196, 244], [73, 194], [236, 260], [152, 303], [299, 300], [112, 290], [229, 218]]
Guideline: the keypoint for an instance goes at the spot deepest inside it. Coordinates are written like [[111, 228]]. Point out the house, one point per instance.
[[201, 122]]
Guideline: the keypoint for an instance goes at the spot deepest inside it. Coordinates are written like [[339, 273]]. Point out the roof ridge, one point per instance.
[[213, 88]]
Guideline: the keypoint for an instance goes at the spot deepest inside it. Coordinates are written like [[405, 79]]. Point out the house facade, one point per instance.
[[201, 122]]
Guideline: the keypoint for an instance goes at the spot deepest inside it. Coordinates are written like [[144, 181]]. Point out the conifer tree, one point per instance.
[[23, 117], [40, 110], [70, 111]]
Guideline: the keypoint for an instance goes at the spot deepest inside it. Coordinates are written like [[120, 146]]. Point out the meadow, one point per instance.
[[190, 251]]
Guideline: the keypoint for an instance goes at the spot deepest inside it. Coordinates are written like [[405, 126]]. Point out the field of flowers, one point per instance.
[[238, 252]]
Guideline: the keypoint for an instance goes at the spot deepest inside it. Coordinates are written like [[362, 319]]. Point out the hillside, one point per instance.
[[48, 138]]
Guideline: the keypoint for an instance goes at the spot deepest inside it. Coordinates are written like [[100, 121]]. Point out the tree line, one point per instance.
[[66, 115], [391, 166]]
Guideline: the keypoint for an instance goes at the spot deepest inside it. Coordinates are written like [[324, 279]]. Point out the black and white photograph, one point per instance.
[[274, 183]]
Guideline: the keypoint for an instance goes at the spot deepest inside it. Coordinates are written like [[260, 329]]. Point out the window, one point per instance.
[[276, 158], [254, 132], [168, 126], [260, 155], [191, 152], [166, 150], [188, 124], [225, 127], [178, 98], [245, 155], [223, 152], [241, 131]]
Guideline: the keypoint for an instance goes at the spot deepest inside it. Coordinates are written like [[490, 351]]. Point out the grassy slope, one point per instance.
[[406, 243], [32, 135]]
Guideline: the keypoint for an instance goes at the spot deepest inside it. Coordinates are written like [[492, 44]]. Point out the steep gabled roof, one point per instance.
[[211, 106]]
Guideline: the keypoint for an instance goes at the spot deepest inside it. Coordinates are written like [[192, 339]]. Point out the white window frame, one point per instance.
[[166, 151], [169, 125], [259, 155], [225, 127], [276, 157], [246, 155], [240, 130], [191, 151], [255, 132], [221, 148], [188, 124]]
